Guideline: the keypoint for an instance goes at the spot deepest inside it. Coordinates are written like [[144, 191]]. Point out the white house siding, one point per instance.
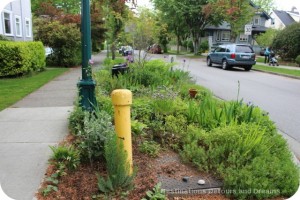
[[275, 23], [22, 10]]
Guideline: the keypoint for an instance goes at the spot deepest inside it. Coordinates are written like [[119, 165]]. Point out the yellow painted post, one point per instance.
[[122, 100]]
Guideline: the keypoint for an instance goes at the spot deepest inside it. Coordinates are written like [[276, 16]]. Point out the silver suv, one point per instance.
[[232, 55]]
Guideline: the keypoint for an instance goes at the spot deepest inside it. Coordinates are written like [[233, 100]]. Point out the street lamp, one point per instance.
[[86, 85]]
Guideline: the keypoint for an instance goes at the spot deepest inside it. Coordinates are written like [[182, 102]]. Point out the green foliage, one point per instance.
[[266, 39], [298, 60], [65, 42], [19, 58], [118, 168], [137, 128], [209, 113], [203, 46], [67, 156], [156, 193], [151, 148], [284, 42], [3, 38], [247, 157], [96, 128]]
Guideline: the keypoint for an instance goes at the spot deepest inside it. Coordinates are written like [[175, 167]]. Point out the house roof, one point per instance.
[[285, 18]]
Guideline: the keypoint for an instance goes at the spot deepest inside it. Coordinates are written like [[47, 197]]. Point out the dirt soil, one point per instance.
[[82, 183]]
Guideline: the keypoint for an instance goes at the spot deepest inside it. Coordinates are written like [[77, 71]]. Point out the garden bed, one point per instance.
[[82, 183]]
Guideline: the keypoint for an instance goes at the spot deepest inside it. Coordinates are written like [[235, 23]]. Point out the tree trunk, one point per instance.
[[113, 53], [178, 40]]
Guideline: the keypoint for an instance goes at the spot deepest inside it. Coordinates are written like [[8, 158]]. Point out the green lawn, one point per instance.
[[291, 72], [14, 89]]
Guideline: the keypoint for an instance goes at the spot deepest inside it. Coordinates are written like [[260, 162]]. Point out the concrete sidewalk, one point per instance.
[[29, 127]]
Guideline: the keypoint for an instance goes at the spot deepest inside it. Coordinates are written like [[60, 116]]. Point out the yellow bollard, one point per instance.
[[122, 99]]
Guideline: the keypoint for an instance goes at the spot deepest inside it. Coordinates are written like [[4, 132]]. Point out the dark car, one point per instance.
[[155, 48], [232, 55], [125, 50]]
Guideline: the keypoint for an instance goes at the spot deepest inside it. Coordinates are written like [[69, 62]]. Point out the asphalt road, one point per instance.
[[277, 95]]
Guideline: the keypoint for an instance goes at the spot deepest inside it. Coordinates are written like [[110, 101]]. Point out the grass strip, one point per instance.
[[14, 89], [277, 70]]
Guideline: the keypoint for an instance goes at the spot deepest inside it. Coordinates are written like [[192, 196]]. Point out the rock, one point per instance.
[[185, 179], [201, 182]]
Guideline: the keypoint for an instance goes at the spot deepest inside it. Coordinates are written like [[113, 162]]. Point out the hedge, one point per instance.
[[19, 58]]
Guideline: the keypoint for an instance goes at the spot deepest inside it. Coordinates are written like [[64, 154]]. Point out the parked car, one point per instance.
[[125, 50], [155, 48], [232, 55], [262, 51], [48, 51]]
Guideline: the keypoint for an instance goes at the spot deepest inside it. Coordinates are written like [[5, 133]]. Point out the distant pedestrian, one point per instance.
[[130, 58], [267, 55]]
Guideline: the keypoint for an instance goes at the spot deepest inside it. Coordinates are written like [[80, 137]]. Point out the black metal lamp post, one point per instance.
[[86, 85]]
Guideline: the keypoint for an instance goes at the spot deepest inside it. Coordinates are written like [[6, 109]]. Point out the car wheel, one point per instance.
[[248, 67], [224, 64], [209, 63]]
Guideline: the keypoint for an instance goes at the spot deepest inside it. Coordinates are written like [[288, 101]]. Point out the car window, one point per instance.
[[244, 49], [218, 49], [222, 49]]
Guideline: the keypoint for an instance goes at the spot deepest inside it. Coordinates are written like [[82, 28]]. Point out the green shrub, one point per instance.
[[118, 168], [284, 42], [65, 42], [66, 156], [3, 38], [19, 58], [156, 193], [247, 157], [298, 60], [203, 46], [150, 147], [97, 128]]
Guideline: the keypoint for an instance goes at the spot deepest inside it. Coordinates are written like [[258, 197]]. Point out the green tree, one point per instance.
[[236, 12], [140, 30], [116, 13], [266, 39], [265, 5], [174, 21], [286, 43], [65, 41], [193, 15], [70, 6]]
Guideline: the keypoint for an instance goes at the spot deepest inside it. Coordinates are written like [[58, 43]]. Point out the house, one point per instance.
[[16, 20], [281, 19], [221, 34]]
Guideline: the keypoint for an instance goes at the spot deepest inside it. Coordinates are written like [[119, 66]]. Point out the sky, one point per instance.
[[280, 4]]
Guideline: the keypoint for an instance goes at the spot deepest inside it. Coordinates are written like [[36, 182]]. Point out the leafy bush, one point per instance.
[[96, 129], [67, 156], [3, 38], [156, 193], [247, 157], [150, 147], [203, 46], [118, 168], [18, 58], [284, 42], [65, 42], [298, 60]]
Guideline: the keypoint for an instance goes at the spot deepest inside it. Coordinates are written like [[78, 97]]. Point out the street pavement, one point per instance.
[[29, 127]]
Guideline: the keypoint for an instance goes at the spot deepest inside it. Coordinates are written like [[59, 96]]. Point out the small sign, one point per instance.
[[248, 29]]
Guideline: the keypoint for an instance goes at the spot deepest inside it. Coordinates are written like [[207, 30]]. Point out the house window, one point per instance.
[[18, 26], [27, 27], [223, 36], [256, 21], [7, 19], [243, 38]]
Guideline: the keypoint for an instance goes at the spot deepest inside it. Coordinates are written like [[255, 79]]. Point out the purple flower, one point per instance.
[[91, 62]]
